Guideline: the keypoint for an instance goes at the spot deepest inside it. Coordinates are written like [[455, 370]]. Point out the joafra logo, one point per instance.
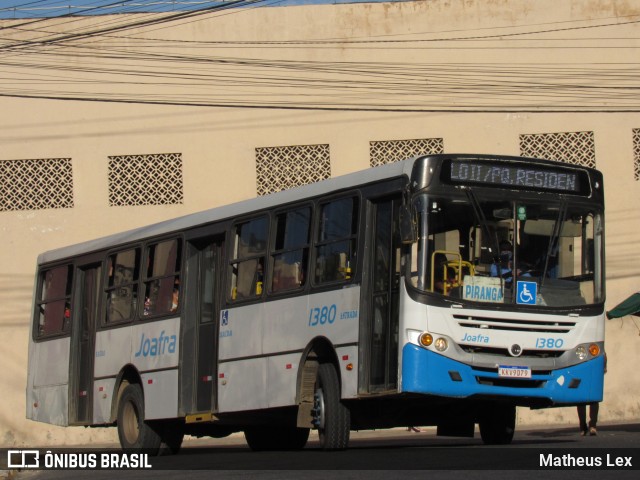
[[155, 346]]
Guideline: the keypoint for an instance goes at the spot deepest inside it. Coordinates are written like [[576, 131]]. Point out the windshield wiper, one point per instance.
[[482, 219]]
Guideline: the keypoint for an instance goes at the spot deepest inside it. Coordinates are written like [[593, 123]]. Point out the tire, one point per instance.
[[134, 433], [331, 417], [498, 424], [283, 438]]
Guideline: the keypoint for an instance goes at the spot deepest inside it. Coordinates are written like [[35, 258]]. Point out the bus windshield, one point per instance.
[[495, 249]]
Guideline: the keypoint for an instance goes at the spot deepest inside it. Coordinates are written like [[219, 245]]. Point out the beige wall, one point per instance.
[[218, 146]]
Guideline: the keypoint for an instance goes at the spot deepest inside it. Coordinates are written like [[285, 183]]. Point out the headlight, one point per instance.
[[441, 344], [581, 352], [594, 350]]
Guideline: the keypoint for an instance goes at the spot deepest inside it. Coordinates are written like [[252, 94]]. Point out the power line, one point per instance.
[[328, 107], [103, 29], [41, 69], [54, 8]]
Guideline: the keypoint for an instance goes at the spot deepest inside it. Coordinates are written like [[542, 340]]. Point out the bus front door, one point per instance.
[[384, 287], [84, 320]]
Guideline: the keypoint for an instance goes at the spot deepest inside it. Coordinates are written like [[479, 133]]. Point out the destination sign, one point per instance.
[[518, 176]]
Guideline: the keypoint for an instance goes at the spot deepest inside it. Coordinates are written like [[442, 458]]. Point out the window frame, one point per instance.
[[352, 238], [65, 329], [145, 280], [107, 289], [305, 248], [233, 260]]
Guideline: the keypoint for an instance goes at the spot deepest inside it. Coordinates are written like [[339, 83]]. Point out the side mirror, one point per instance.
[[408, 230]]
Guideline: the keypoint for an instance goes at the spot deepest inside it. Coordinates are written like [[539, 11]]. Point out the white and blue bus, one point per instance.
[[443, 290]]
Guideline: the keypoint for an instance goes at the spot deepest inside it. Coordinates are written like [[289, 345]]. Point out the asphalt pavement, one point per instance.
[[553, 451]]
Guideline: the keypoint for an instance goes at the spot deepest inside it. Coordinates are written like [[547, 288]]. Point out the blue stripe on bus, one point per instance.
[[427, 372]]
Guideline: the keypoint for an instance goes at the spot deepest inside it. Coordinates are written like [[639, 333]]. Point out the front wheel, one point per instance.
[[134, 433], [330, 416], [498, 424]]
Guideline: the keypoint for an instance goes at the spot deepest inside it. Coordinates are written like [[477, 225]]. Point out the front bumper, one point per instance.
[[427, 372]]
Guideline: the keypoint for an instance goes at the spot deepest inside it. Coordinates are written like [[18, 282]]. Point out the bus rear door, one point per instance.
[[205, 274], [85, 318]]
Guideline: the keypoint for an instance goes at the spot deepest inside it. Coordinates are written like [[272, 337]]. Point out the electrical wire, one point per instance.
[[102, 27], [92, 63]]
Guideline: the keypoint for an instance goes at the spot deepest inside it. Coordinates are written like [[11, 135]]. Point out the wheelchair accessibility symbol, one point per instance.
[[526, 293]]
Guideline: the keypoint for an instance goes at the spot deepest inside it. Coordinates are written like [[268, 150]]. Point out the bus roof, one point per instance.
[[233, 210]]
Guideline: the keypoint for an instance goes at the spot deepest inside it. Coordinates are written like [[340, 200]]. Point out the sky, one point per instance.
[[55, 8]]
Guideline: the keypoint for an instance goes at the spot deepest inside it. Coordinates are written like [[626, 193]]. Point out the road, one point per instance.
[[556, 452]]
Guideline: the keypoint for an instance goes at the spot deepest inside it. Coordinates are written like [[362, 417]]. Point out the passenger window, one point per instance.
[[247, 267], [291, 249], [54, 305], [122, 285], [162, 278], [336, 242]]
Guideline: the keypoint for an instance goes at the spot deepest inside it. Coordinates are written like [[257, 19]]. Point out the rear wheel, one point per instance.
[[330, 416], [134, 433], [498, 424]]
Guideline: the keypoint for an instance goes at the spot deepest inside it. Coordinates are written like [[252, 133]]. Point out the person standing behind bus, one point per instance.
[[594, 407]]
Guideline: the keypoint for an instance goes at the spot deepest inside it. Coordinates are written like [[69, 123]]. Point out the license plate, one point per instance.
[[514, 372]]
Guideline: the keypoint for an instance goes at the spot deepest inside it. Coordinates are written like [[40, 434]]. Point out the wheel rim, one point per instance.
[[131, 426], [318, 409]]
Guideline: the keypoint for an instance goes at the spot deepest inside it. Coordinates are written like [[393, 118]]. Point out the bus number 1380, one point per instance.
[[549, 342], [322, 315]]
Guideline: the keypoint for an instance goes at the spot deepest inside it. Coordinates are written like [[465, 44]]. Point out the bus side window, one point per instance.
[[335, 245], [54, 305], [122, 285], [162, 278], [247, 266], [291, 249]]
